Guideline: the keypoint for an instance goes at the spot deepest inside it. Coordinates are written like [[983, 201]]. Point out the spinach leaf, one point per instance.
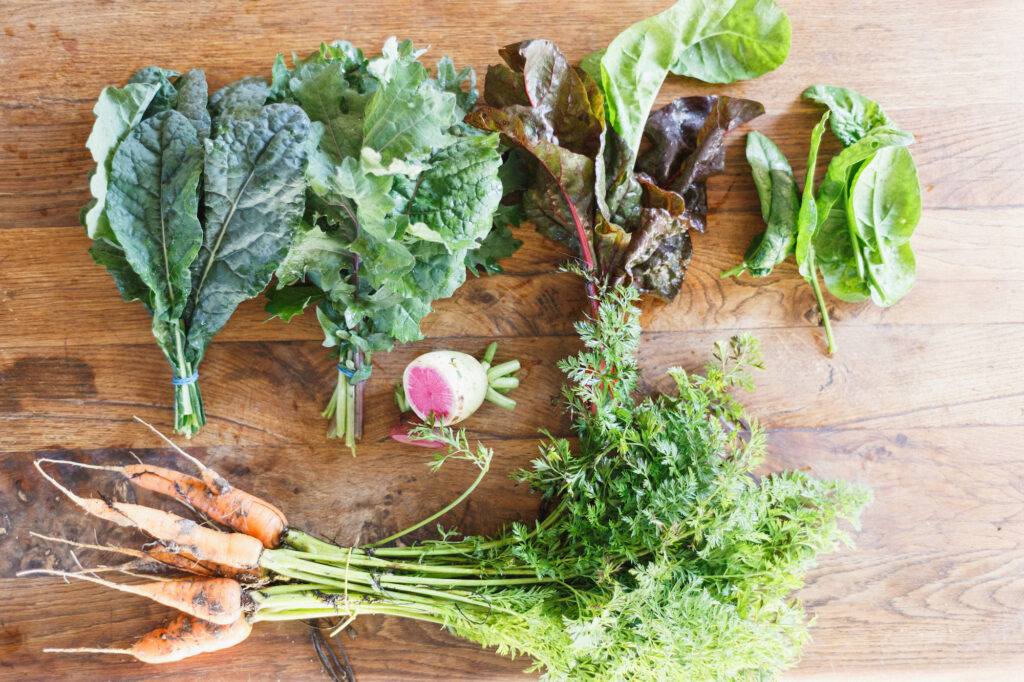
[[780, 207], [857, 230], [807, 216], [153, 207], [253, 193], [117, 111], [885, 205], [841, 165], [717, 41], [746, 39], [853, 114]]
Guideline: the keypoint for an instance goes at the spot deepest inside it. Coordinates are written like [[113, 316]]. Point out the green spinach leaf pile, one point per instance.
[[195, 202], [857, 230], [401, 200]]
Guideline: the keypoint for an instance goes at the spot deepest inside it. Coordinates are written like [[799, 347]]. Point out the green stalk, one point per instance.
[[189, 415], [433, 517], [821, 304]]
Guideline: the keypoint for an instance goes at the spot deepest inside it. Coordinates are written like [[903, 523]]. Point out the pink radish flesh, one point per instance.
[[400, 432], [429, 392]]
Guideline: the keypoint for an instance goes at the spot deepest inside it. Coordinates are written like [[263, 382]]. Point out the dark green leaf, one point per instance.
[[111, 257], [241, 100], [192, 100], [853, 115], [153, 207], [287, 302], [253, 189], [166, 95], [117, 111]]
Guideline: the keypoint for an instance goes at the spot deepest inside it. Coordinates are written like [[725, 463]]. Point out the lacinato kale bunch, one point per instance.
[[195, 203], [401, 200]]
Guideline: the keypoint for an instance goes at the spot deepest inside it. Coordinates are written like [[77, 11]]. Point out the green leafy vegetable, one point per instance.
[[628, 215], [719, 42], [117, 111], [780, 206], [857, 229], [191, 274], [401, 198]]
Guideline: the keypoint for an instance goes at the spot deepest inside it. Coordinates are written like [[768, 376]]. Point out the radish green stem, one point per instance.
[[502, 369], [499, 400], [505, 383]]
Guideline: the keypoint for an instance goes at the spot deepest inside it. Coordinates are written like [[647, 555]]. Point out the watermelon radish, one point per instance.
[[446, 387]]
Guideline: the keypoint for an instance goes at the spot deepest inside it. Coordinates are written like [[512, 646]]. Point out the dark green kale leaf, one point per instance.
[[153, 208], [253, 193], [192, 100], [118, 111], [166, 95]]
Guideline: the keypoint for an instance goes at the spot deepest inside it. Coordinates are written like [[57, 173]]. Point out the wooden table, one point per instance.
[[923, 402]]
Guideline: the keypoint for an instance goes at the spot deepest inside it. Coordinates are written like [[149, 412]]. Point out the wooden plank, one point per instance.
[[922, 402]]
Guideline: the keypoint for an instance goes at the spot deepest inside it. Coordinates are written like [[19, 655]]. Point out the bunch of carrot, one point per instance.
[[260, 569]]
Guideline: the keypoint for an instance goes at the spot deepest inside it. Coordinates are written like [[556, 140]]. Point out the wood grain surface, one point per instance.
[[923, 401]]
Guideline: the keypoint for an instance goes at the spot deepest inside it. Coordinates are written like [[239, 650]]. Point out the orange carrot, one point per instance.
[[185, 562], [170, 557], [217, 600], [184, 636], [235, 508], [230, 549]]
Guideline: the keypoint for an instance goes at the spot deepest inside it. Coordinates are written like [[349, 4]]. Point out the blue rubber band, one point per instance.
[[185, 381], [346, 371]]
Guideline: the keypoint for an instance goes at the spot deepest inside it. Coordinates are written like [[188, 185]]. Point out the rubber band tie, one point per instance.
[[185, 381]]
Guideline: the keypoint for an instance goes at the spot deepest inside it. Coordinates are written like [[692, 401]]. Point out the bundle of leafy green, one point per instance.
[[195, 202], [401, 200], [664, 555], [577, 134], [857, 229]]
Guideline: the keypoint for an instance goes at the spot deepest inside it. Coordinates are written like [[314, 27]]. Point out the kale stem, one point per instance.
[[821, 304]]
